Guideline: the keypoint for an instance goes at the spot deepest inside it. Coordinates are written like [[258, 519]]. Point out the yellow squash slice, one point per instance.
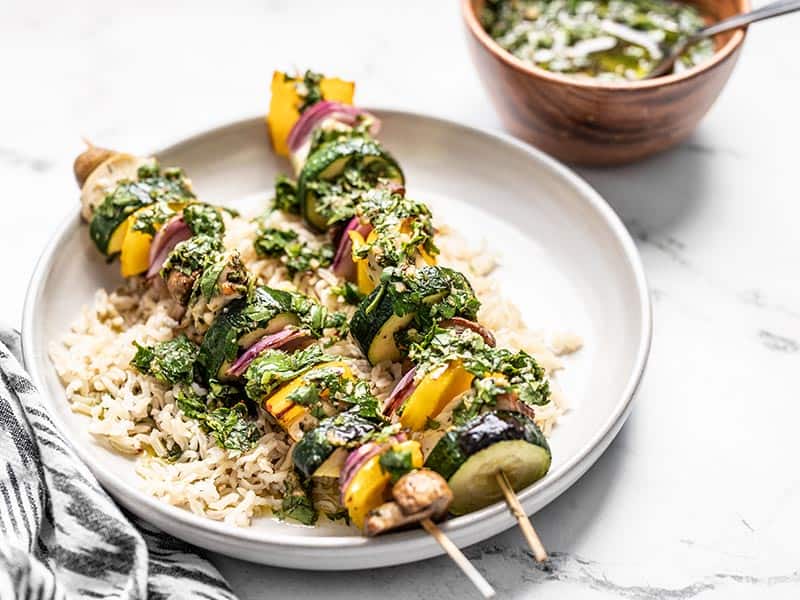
[[287, 413], [370, 485], [134, 246], [433, 393], [283, 107]]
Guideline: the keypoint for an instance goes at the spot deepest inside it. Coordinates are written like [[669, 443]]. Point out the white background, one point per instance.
[[698, 497]]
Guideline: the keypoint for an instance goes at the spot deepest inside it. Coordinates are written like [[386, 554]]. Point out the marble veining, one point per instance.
[[568, 568], [697, 498]]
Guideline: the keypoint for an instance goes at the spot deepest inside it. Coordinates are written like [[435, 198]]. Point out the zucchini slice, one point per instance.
[[393, 305], [128, 195], [471, 456], [317, 446], [329, 161], [242, 323], [111, 217]]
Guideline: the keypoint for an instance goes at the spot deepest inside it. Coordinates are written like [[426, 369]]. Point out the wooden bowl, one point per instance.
[[602, 123]]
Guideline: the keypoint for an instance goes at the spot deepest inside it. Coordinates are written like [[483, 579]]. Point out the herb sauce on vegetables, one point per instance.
[[299, 256], [498, 372], [613, 40]]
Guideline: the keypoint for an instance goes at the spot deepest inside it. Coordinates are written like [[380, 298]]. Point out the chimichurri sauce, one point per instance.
[[612, 40]]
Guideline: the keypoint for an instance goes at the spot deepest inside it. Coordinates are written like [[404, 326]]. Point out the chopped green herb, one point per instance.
[[231, 428], [129, 196], [309, 90], [497, 371], [169, 362], [396, 463], [286, 199], [193, 255], [615, 40], [273, 368], [400, 227], [227, 276], [190, 403], [348, 291], [150, 218], [299, 256], [204, 219]]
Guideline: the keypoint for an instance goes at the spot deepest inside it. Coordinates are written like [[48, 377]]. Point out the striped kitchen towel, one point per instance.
[[61, 535]]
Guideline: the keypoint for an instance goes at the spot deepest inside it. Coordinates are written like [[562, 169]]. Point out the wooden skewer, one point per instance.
[[458, 557], [539, 553]]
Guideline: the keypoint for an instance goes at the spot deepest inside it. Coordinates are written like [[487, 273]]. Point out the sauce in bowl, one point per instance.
[[612, 40]]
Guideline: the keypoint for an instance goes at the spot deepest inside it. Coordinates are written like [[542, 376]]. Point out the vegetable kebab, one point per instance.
[[471, 404]]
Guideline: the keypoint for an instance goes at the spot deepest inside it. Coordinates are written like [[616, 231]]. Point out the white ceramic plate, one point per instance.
[[566, 259]]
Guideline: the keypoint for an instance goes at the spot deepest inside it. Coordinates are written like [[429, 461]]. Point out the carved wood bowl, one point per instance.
[[595, 122]]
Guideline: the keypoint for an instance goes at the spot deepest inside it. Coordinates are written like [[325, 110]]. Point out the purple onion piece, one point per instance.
[[313, 116], [401, 392], [355, 460], [343, 264], [164, 242], [271, 341]]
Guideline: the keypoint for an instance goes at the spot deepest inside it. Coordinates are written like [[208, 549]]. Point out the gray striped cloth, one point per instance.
[[61, 535]]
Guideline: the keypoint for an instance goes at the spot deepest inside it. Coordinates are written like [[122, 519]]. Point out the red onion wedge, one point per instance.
[[343, 264], [355, 460], [164, 242], [271, 341], [312, 117], [511, 402], [401, 392]]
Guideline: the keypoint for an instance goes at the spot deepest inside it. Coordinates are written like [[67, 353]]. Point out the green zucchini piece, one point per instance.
[[126, 199], [242, 323], [329, 161], [424, 297], [318, 444], [470, 457], [129, 196]]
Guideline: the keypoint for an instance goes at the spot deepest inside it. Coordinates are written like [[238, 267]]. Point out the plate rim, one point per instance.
[[611, 426]]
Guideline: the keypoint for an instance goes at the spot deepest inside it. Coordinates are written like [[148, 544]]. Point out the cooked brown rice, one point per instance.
[[135, 415]]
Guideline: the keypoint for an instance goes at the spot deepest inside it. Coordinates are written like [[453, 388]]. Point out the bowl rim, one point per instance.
[[503, 55]]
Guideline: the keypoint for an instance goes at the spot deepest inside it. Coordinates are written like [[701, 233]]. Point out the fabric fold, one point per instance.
[[61, 535]]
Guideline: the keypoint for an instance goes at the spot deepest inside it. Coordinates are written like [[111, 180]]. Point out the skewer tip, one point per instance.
[[525, 525], [458, 557]]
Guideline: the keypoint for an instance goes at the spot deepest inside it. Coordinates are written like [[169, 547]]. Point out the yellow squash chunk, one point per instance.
[[135, 245], [292, 421], [286, 412], [135, 256], [433, 393], [427, 258], [369, 486], [337, 90], [284, 104], [405, 227], [363, 279]]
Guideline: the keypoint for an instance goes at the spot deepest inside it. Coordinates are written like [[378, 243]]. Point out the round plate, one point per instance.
[[566, 260]]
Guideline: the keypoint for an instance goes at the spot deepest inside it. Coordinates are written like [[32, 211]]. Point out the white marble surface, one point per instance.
[[698, 497]]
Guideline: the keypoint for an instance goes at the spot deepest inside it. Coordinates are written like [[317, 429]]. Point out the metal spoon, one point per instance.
[[773, 9]]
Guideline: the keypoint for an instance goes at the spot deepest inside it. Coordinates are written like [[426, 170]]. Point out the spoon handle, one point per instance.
[[772, 9]]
